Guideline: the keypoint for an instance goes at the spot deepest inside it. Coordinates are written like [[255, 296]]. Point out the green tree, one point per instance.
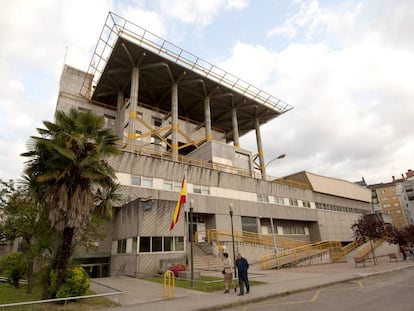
[[68, 164], [14, 266], [369, 227], [25, 219]]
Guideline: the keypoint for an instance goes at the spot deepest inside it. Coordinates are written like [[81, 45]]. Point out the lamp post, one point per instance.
[[271, 219], [232, 237], [191, 244], [281, 156], [274, 243]]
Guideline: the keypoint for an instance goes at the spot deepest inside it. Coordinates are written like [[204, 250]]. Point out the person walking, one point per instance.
[[228, 273], [242, 267]]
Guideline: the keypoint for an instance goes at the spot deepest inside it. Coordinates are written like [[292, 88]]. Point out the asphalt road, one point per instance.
[[384, 292]]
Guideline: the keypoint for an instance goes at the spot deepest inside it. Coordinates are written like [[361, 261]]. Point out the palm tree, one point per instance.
[[68, 164]]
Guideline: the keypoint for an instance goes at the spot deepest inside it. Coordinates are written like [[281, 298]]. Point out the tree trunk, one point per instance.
[[64, 256]]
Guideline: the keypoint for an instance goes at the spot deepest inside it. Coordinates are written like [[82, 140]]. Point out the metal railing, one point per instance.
[[298, 254], [116, 26], [64, 300], [250, 238]]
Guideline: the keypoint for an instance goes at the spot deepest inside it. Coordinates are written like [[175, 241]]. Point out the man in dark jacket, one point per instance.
[[242, 266]]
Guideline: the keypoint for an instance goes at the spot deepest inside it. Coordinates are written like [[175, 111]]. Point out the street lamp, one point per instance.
[[191, 244], [274, 243], [232, 237], [281, 156], [271, 219]]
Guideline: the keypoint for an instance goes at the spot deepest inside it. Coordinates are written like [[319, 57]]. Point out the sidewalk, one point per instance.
[[146, 295]]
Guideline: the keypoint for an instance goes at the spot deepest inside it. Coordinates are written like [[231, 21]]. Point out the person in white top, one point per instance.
[[228, 272]]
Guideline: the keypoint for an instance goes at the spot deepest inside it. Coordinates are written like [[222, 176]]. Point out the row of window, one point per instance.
[[150, 244], [281, 201], [338, 208]]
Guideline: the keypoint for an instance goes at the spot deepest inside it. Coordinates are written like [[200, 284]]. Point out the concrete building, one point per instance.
[[177, 115], [406, 188], [387, 200]]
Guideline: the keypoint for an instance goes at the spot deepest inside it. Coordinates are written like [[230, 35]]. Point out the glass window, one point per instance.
[[179, 243], [121, 246], [168, 185], [262, 198], [155, 140], [157, 244], [306, 204], [156, 122], [135, 180], [168, 243], [147, 182], [138, 135], [144, 244], [249, 224], [205, 190], [279, 200], [293, 202], [134, 244], [197, 189]]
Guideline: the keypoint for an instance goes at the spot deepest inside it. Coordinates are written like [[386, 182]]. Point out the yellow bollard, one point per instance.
[[168, 279]]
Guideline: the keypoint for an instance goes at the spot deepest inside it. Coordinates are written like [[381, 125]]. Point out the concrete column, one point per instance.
[[235, 127], [260, 148], [133, 105], [174, 116], [120, 115], [207, 118]]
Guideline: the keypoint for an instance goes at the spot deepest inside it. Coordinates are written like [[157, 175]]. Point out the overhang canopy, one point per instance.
[[160, 65]]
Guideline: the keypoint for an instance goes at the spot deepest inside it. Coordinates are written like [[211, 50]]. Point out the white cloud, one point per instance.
[[199, 12], [353, 103]]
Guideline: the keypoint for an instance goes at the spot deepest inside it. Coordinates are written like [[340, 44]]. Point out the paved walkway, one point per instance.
[[145, 295]]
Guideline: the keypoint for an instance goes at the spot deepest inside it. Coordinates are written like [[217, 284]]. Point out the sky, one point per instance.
[[347, 68]]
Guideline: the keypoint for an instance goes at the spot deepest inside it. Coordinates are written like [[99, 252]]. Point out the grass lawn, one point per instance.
[[204, 284], [8, 294]]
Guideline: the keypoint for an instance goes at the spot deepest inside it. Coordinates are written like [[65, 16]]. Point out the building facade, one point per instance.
[[177, 115]]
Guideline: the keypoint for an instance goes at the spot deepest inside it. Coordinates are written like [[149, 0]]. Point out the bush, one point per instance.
[[76, 283], [177, 268], [14, 267]]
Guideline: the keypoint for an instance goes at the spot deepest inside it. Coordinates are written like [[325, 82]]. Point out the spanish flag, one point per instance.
[[181, 200]]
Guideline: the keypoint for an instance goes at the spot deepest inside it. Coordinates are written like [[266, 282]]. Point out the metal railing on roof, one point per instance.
[[116, 26]]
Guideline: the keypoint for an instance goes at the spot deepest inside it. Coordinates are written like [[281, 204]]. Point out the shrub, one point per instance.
[[14, 267], [76, 283], [177, 268]]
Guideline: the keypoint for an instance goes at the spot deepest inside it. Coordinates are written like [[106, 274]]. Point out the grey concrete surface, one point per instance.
[[146, 295]]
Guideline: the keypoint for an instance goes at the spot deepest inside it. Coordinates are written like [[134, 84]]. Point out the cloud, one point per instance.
[[198, 12], [352, 102]]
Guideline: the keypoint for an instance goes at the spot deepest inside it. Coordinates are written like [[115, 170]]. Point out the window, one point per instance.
[[263, 198], [293, 202], [157, 244], [168, 185], [109, 121], [144, 244], [156, 122], [279, 200], [168, 243], [135, 180], [147, 182], [249, 224], [138, 135], [306, 204], [201, 189], [121, 246], [134, 244], [155, 140], [179, 243]]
